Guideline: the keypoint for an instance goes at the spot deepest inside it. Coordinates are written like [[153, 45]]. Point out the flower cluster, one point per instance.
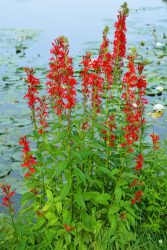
[[133, 105], [106, 60], [155, 140], [86, 62], [29, 161], [33, 84], [119, 49], [132, 115], [137, 197], [139, 162], [61, 84], [6, 189], [92, 82]]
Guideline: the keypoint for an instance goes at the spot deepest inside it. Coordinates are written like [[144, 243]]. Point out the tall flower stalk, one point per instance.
[[33, 84], [8, 194]]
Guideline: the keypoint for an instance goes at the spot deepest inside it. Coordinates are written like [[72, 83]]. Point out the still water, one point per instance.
[[81, 21]]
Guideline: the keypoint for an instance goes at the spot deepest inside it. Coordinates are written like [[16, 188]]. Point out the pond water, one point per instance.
[[27, 28]]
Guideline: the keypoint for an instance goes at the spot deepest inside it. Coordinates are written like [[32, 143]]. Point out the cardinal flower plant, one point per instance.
[[85, 174]]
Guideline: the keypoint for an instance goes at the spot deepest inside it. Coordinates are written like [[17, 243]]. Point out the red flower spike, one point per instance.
[[139, 161], [133, 106], [28, 160], [33, 84], [61, 84], [105, 59], [23, 142], [120, 37], [155, 140], [7, 196], [137, 197], [92, 82]]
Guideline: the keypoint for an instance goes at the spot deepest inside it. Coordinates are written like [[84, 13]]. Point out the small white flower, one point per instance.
[[159, 88], [160, 241], [158, 107], [159, 45], [134, 105]]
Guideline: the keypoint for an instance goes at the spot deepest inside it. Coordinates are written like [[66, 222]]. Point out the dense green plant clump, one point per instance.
[[93, 181]]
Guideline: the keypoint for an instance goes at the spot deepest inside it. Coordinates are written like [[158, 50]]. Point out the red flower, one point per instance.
[[120, 37], [133, 106], [155, 139], [8, 195], [23, 142], [33, 84], [137, 197], [61, 84], [29, 161], [92, 82], [105, 58], [139, 161], [86, 62], [68, 228], [141, 83]]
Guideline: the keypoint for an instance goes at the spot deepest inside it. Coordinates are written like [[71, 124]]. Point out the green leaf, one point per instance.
[[79, 199], [59, 207], [127, 206], [50, 216], [114, 209], [101, 198], [113, 221], [79, 174], [50, 234], [62, 166], [59, 244], [68, 239], [122, 228], [115, 171], [66, 188], [122, 182], [118, 194], [98, 227], [87, 196], [49, 195], [66, 216], [40, 223], [82, 246], [22, 245], [26, 197]]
